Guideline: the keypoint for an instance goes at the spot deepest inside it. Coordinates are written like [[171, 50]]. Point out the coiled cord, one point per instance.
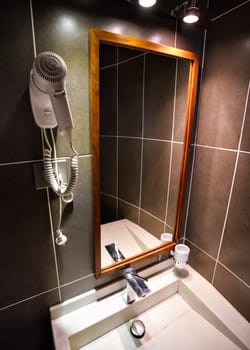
[[56, 185], [59, 189]]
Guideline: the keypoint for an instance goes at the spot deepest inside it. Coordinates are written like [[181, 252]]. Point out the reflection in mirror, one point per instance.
[[143, 116], [142, 134]]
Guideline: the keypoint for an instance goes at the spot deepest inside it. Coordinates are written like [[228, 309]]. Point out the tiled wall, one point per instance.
[[218, 225], [143, 104], [34, 273]]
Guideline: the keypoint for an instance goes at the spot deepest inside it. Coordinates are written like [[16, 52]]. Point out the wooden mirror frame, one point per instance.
[[97, 37]]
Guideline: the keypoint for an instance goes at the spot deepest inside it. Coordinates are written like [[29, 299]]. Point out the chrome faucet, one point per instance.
[[136, 286]]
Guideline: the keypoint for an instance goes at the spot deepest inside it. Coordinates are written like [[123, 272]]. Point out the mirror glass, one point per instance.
[[140, 115]]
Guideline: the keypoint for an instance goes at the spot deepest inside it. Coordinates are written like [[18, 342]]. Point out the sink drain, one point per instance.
[[137, 329]]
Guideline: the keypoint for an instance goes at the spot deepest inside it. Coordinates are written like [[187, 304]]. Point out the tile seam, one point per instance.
[[27, 299], [76, 280], [234, 274], [229, 11], [171, 146], [219, 262], [142, 138], [195, 139]]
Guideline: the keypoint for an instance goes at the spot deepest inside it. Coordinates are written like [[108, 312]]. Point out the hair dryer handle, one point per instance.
[[62, 112]]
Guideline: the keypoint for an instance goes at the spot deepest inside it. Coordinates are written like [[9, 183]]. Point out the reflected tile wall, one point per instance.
[[218, 222], [35, 275], [143, 101]]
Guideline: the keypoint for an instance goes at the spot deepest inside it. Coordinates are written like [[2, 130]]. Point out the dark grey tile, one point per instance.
[[126, 53], [183, 68], [108, 101], [27, 324], [159, 96], [129, 165], [225, 82], [235, 249], [155, 173], [64, 29], [127, 211], [20, 138], [26, 253], [237, 293], [151, 224], [201, 262], [108, 209], [75, 259], [130, 93], [174, 184], [108, 172], [108, 55], [211, 184]]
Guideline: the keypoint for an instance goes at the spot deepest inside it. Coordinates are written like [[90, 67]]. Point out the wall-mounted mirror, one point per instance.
[[142, 107]]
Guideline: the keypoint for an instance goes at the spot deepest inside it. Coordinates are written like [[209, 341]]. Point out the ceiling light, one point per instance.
[[147, 3], [192, 12]]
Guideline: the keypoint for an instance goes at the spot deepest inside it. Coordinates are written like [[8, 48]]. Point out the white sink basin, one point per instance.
[[172, 323], [184, 312]]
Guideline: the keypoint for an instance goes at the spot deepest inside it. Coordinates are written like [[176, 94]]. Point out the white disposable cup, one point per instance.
[[181, 254], [166, 237]]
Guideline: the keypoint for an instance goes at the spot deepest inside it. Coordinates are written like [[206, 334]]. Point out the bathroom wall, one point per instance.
[[34, 273], [142, 134], [218, 221]]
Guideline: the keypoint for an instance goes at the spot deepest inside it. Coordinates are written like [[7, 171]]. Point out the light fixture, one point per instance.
[[147, 3], [188, 11], [192, 12]]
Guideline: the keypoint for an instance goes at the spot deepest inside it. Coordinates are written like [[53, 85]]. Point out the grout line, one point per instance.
[[124, 61], [233, 181], [219, 262], [203, 52], [142, 133], [215, 147], [22, 162], [27, 299], [47, 190], [77, 280], [175, 33], [135, 206], [229, 11], [244, 152], [33, 29], [53, 245], [117, 132], [139, 138], [241, 280], [41, 160], [175, 142], [172, 145], [199, 248], [195, 138]]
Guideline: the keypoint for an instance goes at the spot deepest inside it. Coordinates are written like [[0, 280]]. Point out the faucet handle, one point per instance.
[[136, 281]]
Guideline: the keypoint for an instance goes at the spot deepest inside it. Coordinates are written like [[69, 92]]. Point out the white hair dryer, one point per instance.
[[48, 95], [50, 108]]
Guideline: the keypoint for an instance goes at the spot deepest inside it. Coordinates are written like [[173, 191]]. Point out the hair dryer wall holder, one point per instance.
[[63, 171]]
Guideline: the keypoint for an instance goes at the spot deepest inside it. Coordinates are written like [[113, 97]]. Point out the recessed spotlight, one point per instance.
[[192, 13], [147, 3]]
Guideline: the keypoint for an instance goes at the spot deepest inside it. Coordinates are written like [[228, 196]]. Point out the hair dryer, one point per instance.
[[50, 108], [48, 95]]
